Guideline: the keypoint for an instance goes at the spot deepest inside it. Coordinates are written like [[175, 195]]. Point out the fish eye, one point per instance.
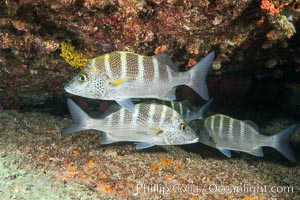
[[82, 77], [183, 126]]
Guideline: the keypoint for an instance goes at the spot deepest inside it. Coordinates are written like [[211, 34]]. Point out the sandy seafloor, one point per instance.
[[37, 163]]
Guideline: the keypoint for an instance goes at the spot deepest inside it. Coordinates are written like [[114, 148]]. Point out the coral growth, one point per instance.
[[283, 28], [71, 56], [269, 7]]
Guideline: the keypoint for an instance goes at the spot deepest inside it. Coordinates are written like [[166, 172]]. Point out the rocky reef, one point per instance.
[[256, 38]]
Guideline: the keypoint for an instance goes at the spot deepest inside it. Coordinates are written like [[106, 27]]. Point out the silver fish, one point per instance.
[[122, 75], [185, 109], [226, 133], [151, 124]]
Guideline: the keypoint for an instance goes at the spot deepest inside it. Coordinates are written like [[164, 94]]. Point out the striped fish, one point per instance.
[[122, 75], [151, 124], [226, 133], [186, 110]]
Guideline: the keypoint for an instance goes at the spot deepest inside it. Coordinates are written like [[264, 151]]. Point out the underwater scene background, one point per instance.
[[255, 76]]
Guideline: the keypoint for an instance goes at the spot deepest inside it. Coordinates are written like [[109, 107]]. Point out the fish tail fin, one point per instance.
[[198, 75], [200, 114], [80, 119], [282, 142]]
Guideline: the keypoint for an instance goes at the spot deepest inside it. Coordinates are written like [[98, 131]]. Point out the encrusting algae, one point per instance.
[[71, 56]]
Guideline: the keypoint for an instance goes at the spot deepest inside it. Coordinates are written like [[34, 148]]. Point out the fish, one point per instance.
[[151, 124], [122, 76], [185, 109], [226, 134]]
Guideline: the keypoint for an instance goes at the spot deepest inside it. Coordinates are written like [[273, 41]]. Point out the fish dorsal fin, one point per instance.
[[165, 59], [257, 152], [252, 124], [143, 145], [226, 152], [127, 104]]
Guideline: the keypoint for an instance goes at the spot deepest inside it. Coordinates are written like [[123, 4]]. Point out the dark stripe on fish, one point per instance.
[[148, 68], [116, 118], [115, 64], [226, 125], [99, 64], [162, 71], [132, 65], [236, 127], [216, 124], [128, 117]]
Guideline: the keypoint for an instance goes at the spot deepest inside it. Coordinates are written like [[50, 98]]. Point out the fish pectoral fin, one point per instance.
[[257, 152], [226, 152], [156, 130], [119, 81], [106, 139], [142, 132], [143, 145], [169, 95], [127, 104]]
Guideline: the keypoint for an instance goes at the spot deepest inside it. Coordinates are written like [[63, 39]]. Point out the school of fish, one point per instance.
[[122, 76]]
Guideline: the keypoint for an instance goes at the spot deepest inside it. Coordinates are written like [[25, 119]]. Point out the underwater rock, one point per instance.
[[32, 31]]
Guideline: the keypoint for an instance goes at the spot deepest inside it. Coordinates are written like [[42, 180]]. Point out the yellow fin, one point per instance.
[[119, 81], [156, 131]]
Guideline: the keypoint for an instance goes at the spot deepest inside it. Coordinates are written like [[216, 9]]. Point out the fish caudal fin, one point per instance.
[[282, 142], [80, 119], [198, 75]]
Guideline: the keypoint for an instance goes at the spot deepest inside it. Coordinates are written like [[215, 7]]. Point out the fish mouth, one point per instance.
[[194, 140], [67, 90]]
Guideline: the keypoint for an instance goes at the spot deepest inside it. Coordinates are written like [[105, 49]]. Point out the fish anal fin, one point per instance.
[[257, 152], [169, 95], [106, 139], [226, 152], [143, 145]]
